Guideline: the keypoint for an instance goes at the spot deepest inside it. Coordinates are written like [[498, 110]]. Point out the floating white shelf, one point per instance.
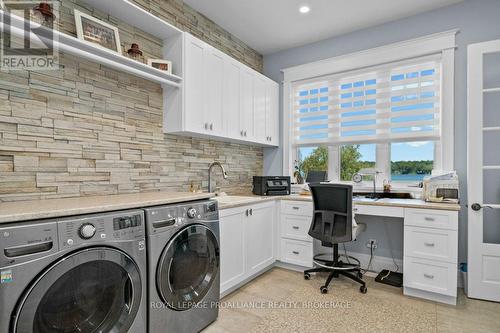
[[134, 15], [72, 45]]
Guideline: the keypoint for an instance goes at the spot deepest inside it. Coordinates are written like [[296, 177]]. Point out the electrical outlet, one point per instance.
[[370, 242]]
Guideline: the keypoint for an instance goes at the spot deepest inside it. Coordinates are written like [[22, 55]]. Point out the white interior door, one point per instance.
[[484, 170]]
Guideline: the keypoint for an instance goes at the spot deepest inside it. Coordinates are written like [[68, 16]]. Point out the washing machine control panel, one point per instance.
[[126, 225]]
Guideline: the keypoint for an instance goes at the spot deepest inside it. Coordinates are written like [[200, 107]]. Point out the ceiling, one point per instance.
[[269, 26]]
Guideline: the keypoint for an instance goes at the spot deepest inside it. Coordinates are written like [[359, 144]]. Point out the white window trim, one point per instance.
[[443, 43]]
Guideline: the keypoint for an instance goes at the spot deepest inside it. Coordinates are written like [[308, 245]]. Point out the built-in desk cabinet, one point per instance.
[[223, 98]]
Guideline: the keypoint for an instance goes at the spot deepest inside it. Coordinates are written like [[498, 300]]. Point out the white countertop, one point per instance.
[[229, 201], [42, 209]]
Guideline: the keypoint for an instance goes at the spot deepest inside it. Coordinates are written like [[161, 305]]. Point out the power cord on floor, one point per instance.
[[386, 228], [372, 254]]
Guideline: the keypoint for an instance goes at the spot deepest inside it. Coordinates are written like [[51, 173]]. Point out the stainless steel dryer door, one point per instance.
[[92, 290], [188, 267]]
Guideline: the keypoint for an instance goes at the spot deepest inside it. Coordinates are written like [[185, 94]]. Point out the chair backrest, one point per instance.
[[332, 216], [316, 176]]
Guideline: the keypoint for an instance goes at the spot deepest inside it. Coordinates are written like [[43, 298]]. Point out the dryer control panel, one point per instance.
[[162, 218]]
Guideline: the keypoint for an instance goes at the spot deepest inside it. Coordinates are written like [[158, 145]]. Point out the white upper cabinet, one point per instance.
[[259, 108], [246, 104], [222, 98], [194, 85], [272, 114], [214, 88], [231, 98]]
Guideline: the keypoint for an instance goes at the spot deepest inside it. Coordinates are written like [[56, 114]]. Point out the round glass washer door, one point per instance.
[[188, 267], [92, 290]]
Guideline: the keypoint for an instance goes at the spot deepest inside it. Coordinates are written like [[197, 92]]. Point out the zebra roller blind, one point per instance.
[[394, 102]]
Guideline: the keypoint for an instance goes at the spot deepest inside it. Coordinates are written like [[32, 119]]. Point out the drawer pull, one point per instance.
[[429, 276], [295, 227], [296, 208], [295, 252], [429, 244], [430, 219]]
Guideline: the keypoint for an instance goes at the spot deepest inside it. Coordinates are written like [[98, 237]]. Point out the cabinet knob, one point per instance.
[[430, 219], [206, 125], [429, 244], [251, 211], [245, 133], [295, 227], [429, 276], [246, 212], [295, 252], [242, 133], [211, 127]]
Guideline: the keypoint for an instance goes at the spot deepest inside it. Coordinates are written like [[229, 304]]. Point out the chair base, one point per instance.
[[337, 268]]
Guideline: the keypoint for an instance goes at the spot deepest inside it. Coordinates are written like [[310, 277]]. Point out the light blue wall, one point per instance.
[[478, 20]]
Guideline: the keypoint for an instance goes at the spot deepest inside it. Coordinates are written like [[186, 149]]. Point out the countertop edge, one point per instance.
[[89, 208]]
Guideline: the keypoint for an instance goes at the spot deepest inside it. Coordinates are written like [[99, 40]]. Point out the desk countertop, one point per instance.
[[235, 201]]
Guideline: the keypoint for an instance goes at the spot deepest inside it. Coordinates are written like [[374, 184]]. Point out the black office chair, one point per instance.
[[332, 223]]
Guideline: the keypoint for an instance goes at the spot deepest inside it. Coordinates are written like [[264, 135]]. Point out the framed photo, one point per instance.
[[97, 32], [163, 65]]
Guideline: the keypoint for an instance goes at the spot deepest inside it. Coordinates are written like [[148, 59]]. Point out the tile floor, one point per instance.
[[263, 305]]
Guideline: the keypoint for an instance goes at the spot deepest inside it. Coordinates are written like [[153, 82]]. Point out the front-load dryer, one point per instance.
[[81, 274], [183, 263]]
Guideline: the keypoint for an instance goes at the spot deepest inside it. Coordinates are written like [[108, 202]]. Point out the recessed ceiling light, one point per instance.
[[304, 9]]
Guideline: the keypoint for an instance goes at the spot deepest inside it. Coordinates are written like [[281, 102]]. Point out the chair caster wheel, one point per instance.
[[323, 290], [363, 289], [307, 276]]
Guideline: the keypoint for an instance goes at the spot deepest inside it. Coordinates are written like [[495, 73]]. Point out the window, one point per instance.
[[354, 158], [388, 108], [411, 161]]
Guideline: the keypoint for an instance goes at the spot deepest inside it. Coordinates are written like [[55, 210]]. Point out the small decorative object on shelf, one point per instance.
[[163, 65], [95, 31], [135, 53], [43, 14]]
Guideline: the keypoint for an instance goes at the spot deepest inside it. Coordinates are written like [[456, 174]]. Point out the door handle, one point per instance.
[[211, 127], [246, 212], [296, 208], [429, 219], [476, 207], [206, 125], [295, 227], [23, 250], [429, 244], [429, 276], [295, 252], [251, 211], [242, 133]]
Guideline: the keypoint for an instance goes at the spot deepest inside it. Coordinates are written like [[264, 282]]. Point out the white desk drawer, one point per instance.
[[297, 208], [431, 218], [430, 276], [378, 210], [297, 252], [295, 227], [434, 244]]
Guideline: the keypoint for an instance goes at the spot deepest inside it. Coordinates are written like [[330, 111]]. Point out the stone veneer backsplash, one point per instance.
[[87, 129]]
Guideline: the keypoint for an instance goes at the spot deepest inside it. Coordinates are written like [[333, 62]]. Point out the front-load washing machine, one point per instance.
[[183, 263], [78, 274]]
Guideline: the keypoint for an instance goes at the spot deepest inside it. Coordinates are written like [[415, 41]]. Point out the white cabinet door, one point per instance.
[[194, 99], [272, 113], [231, 98], [259, 108], [232, 248], [214, 69], [259, 231], [246, 108]]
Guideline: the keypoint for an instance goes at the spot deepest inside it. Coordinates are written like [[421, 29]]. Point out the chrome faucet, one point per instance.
[[224, 174]]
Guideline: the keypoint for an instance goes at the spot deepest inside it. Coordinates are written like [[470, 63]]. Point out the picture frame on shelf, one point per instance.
[[161, 64], [97, 32]]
